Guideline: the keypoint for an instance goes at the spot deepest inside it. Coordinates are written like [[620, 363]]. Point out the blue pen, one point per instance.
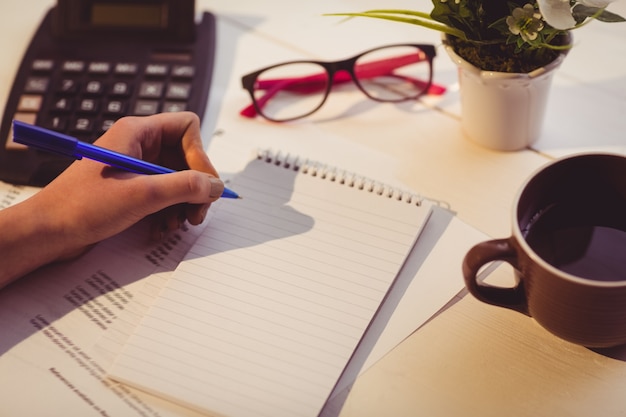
[[54, 142]]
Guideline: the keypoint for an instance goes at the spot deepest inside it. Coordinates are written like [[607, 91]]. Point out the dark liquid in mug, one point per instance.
[[587, 242]]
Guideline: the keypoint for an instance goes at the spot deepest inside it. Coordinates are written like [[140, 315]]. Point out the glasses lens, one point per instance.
[[291, 91], [394, 73]]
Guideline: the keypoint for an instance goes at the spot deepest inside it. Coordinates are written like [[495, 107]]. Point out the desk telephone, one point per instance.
[[91, 62]]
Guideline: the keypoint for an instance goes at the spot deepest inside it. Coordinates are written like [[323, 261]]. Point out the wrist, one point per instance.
[[32, 238]]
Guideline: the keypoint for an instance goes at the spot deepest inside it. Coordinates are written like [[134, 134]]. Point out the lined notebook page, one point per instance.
[[262, 316]]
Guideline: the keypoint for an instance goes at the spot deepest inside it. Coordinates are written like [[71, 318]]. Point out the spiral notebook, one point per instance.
[[267, 308]]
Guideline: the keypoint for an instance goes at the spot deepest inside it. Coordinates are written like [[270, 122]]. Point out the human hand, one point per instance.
[[91, 201]]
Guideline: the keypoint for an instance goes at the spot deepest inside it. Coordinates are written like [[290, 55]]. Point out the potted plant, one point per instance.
[[506, 52]]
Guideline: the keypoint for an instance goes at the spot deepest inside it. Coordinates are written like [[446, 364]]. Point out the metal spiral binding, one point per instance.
[[333, 174]]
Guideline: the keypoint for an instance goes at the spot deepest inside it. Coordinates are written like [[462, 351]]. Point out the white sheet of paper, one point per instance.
[[266, 310], [52, 319]]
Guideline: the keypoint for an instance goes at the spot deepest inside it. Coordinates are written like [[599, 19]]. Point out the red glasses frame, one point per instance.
[[339, 72]]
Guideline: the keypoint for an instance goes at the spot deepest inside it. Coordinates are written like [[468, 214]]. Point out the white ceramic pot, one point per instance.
[[499, 110]]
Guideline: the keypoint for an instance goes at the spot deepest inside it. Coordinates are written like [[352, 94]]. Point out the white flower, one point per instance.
[[525, 22], [558, 13]]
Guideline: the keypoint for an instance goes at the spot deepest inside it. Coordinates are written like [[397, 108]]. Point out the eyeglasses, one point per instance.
[[296, 89]]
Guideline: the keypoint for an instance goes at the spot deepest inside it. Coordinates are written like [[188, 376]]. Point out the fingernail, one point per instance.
[[217, 187]]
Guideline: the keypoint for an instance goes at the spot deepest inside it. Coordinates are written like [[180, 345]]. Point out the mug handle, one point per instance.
[[484, 253]]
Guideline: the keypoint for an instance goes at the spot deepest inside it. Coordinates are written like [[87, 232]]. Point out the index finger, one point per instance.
[[170, 139], [181, 132]]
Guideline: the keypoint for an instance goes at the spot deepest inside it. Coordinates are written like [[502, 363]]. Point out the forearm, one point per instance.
[[90, 201], [29, 239]]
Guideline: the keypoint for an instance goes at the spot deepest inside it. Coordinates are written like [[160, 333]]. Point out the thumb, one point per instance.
[[188, 186]]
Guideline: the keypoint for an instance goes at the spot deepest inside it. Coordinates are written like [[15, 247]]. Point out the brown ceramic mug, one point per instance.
[[568, 249]]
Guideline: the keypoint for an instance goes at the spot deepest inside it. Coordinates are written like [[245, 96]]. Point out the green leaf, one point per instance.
[[414, 18], [582, 12], [610, 17], [441, 12]]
